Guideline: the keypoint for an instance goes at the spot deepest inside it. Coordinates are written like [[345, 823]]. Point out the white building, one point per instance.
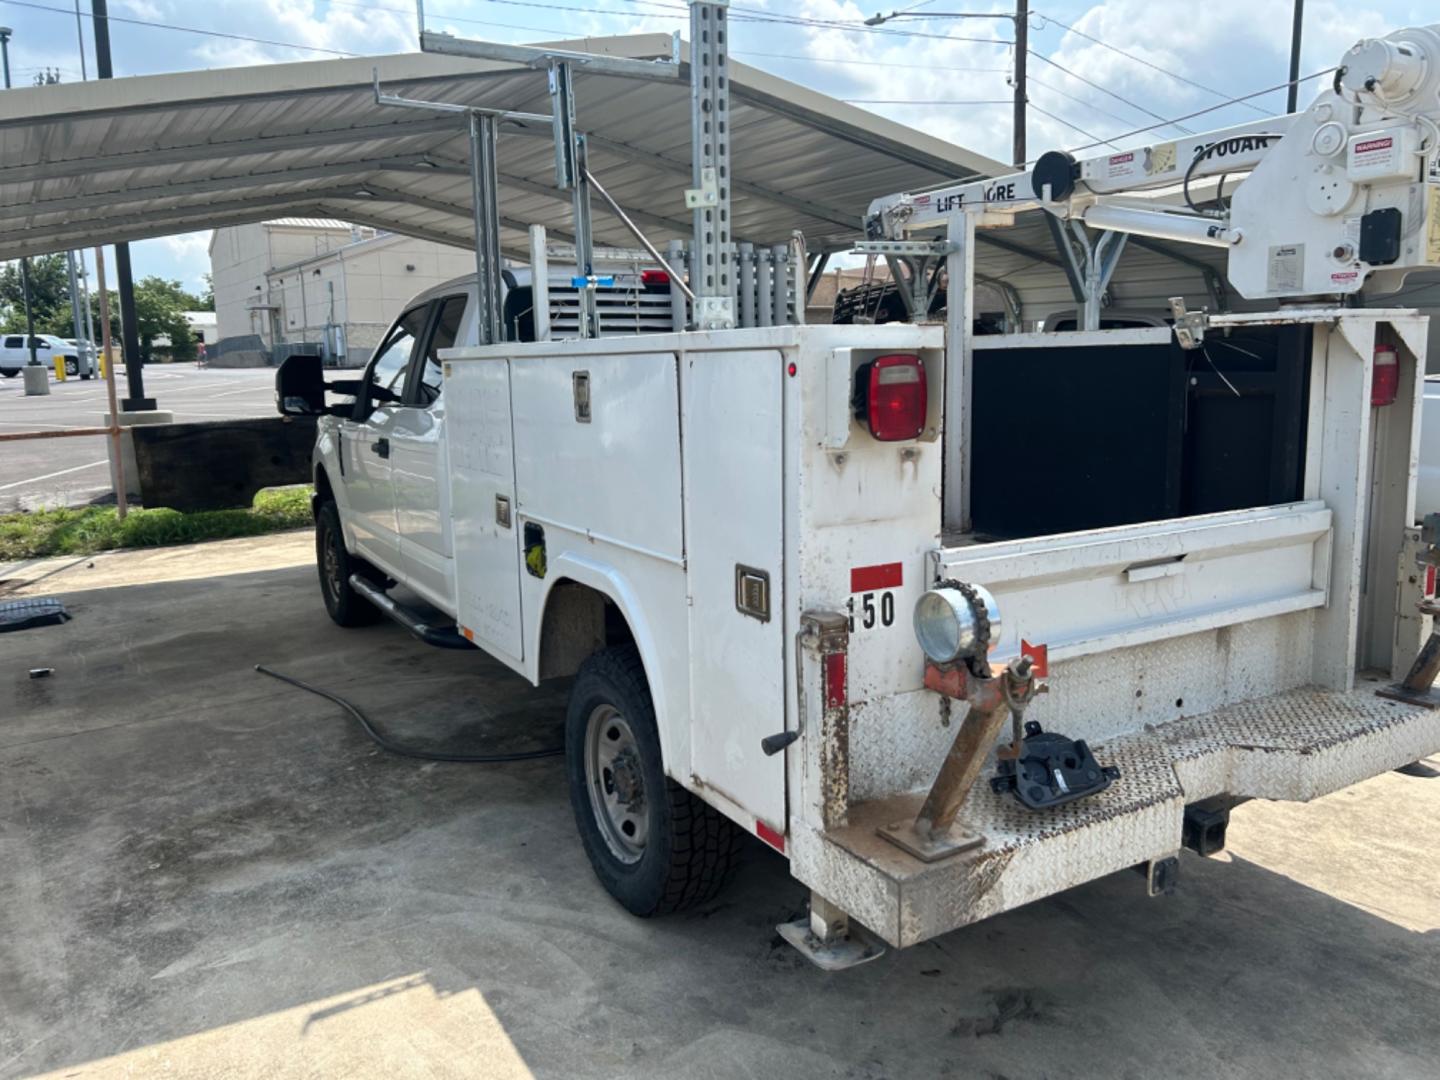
[[319, 281]]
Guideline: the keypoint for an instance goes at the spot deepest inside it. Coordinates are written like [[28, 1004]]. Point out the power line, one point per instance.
[[69, 13], [1140, 59], [1212, 108], [1073, 127], [1104, 90], [1032, 80], [921, 101], [739, 13], [870, 63]]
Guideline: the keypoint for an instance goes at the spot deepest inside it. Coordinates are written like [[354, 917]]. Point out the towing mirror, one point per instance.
[[300, 386]]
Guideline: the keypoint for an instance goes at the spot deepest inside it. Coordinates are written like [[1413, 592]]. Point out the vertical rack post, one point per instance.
[[780, 281], [540, 282], [484, 185], [711, 254], [679, 312], [572, 174], [959, 362]]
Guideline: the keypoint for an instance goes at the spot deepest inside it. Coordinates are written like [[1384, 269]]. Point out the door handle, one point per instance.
[[381, 447]]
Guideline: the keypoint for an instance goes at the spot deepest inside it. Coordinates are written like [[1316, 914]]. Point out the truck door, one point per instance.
[[417, 461], [365, 442]]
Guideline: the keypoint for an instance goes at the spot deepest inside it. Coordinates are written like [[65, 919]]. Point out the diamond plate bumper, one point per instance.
[[1293, 746]]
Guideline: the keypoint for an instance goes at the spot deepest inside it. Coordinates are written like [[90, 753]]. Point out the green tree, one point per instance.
[[206, 300], [49, 297], [160, 306]]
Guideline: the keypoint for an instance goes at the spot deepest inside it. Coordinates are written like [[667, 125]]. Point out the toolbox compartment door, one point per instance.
[[1089, 592], [734, 501], [481, 447]]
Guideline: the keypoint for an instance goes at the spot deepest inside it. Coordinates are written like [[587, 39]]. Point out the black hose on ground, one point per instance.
[[406, 751]]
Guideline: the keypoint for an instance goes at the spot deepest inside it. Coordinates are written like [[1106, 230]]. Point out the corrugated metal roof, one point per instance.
[[152, 155], [308, 223]]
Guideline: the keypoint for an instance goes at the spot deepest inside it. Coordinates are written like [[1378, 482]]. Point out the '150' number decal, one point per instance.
[[869, 610]]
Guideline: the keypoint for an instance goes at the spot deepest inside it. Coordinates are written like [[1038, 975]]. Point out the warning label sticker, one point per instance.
[[1120, 165], [1373, 152], [1286, 270]]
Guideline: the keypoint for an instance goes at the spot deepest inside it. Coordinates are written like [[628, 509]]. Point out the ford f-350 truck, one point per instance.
[[953, 622], [730, 540]]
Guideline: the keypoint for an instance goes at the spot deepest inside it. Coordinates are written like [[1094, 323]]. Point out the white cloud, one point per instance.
[[140, 9], [188, 245]]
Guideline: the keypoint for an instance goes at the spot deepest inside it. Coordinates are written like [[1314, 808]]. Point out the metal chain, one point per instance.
[[980, 662]]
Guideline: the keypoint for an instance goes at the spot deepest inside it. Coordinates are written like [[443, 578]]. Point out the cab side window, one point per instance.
[[14, 343], [443, 336], [385, 378]]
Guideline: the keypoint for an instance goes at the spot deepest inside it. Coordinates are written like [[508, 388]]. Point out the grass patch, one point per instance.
[[89, 529]]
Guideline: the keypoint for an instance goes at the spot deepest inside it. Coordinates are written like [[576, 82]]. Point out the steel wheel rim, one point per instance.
[[332, 564], [616, 784]]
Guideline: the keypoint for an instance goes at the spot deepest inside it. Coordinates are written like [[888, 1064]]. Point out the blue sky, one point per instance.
[[1086, 90]]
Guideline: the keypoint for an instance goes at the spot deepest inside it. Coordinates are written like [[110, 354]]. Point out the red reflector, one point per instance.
[[654, 277], [890, 396], [835, 680], [874, 578], [770, 836], [1039, 656], [1385, 383], [1429, 581]]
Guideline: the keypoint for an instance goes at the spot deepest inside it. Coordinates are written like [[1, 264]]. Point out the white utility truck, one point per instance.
[[811, 581]]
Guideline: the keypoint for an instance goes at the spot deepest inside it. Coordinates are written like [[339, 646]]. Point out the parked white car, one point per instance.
[[15, 354]]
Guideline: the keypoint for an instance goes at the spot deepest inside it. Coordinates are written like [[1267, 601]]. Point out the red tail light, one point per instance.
[[890, 397], [654, 277], [1385, 383]]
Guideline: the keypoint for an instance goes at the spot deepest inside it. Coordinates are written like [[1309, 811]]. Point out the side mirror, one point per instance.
[[300, 386]]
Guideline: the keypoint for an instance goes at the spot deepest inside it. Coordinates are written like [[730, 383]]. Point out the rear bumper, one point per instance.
[[1292, 746]]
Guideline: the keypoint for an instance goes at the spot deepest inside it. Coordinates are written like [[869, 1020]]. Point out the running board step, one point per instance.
[[442, 637]]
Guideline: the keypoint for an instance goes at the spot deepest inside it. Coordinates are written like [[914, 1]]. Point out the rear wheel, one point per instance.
[[72, 367], [345, 606], [10, 372], [654, 846]]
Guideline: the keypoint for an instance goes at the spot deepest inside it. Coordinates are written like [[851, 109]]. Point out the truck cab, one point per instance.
[[383, 459]]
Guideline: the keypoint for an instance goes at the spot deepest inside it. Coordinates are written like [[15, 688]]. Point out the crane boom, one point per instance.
[[1341, 194]]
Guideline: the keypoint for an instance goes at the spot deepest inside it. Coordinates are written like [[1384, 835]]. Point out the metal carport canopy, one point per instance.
[[101, 162]]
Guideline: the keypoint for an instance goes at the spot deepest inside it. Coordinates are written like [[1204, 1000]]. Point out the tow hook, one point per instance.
[[1051, 770]]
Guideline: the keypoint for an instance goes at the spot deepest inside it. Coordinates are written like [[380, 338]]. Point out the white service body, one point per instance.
[[1206, 656]]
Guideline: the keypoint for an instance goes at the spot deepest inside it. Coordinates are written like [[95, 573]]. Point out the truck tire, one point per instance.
[[654, 846], [72, 368], [345, 606], [10, 372]]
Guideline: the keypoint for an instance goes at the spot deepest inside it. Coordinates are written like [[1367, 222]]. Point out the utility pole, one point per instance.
[[129, 330], [1021, 19], [1022, 51], [1295, 33], [5, 33]]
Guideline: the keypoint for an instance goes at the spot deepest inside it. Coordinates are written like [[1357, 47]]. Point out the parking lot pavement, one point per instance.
[[75, 471], [203, 872]]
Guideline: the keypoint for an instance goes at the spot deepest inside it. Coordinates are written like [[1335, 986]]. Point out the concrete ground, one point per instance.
[[75, 471], [206, 873]]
